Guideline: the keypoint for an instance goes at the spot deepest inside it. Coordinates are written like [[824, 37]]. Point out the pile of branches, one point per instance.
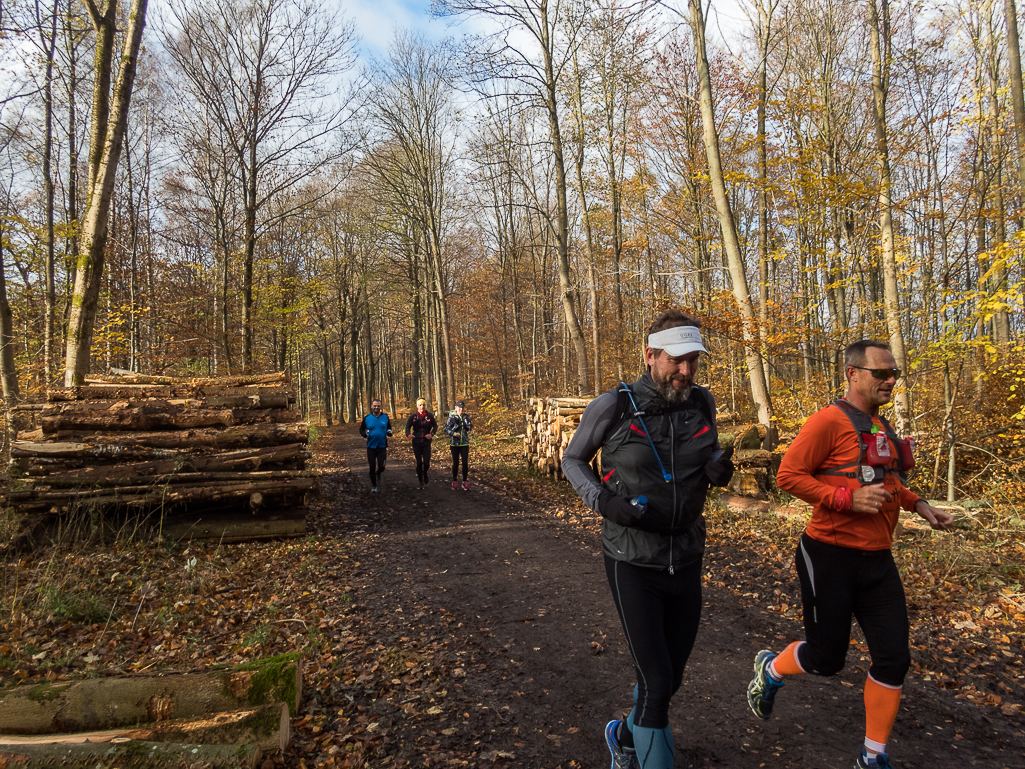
[[161, 445]]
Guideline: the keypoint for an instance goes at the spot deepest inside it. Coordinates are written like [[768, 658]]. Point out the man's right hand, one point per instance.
[[870, 499], [618, 509]]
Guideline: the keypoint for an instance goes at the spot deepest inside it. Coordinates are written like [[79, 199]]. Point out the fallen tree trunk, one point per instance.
[[135, 391], [226, 528], [235, 437], [149, 495], [146, 417], [240, 460], [107, 703], [266, 727], [136, 754], [224, 381], [146, 481]]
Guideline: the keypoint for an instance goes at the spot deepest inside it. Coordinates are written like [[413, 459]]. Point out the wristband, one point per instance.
[[843, 500]]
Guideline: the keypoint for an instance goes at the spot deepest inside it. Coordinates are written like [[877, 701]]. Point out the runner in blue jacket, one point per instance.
[[376, 427]]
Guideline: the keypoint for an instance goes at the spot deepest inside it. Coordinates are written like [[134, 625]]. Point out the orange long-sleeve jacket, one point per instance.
[[829, 440]]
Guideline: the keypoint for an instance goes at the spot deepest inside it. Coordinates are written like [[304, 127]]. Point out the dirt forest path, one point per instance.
[[529, 660]]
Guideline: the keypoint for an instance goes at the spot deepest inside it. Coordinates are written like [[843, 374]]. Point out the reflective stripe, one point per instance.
[[811, 577]]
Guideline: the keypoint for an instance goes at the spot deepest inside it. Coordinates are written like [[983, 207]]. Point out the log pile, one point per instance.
[[225, 718], [551, 423], [159, 445]]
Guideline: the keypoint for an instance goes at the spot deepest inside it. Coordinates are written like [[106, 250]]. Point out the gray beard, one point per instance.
[[670, 394]]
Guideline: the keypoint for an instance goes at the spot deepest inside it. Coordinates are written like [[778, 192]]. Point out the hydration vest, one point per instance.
[[876, 458]]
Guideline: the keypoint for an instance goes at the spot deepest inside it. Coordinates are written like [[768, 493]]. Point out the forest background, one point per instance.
[[499, 215]]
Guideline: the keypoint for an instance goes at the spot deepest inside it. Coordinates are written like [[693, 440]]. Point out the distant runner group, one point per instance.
[[421, 427]]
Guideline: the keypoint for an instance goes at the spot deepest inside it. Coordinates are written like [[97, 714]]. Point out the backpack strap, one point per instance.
[[862, 423]]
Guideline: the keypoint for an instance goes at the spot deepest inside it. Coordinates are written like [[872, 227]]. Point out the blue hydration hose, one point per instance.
[[647, 434]]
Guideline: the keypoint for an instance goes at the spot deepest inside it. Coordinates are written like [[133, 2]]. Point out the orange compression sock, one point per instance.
[[881, 703], [786, 664]]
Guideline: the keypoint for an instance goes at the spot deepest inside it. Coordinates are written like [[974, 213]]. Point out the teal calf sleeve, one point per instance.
[[654, 747]]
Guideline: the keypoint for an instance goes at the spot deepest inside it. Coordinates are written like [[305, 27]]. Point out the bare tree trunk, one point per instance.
[[561, 233], [879, 31], [8, 371], [998, 281], [727, 225], [578, 161], [49, 291], [104, 153], [1017, 98]]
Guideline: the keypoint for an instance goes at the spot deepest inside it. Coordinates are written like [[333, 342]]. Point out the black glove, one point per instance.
[[618, 509], [719, 471]]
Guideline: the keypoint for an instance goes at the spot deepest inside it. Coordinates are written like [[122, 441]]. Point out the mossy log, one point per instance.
[[108, 703], [268, 727], [133, 754]]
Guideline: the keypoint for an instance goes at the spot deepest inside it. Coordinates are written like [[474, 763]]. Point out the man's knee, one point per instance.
[[892, 670], [653, 699], [821, 663]]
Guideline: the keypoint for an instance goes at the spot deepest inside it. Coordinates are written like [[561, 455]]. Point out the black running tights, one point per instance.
[[376, 459], [422, 452], [660, 613], [464, 453]]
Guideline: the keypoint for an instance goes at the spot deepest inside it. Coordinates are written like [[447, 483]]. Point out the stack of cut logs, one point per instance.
[[149, 444], [222, 718], [551, 423]]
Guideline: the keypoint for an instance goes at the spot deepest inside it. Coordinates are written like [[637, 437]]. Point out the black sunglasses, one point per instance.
[[882, 373]]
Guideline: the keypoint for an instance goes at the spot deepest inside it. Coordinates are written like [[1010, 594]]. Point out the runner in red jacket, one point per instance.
[[849, 464]]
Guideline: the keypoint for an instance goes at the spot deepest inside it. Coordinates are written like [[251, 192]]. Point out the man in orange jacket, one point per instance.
[[850, 466]]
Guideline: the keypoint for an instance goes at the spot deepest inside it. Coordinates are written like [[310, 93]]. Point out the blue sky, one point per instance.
[[377, 20]]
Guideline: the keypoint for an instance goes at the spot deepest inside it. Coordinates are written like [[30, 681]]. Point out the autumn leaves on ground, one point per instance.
[[431, 638]]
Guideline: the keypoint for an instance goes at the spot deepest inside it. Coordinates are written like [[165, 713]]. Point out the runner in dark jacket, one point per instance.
[[376, 427], [421, 427], [460, 428], [660, 451]]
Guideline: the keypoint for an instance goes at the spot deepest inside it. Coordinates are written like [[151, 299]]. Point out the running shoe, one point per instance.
[[455, 485], [373, 488], [621, 757], [466, 486], [420, 486], [881, 761], [761, 692]]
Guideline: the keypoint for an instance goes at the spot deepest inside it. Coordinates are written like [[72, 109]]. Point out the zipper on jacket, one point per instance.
[[672, 463]]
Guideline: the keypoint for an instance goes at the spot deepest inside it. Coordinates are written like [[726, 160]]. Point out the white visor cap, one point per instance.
[[677, 341]]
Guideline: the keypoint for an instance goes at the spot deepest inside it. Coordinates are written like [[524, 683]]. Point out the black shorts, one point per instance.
[[838, 583]]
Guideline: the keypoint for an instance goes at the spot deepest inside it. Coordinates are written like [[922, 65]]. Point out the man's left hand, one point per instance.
[[719, 471], [938, 519]]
